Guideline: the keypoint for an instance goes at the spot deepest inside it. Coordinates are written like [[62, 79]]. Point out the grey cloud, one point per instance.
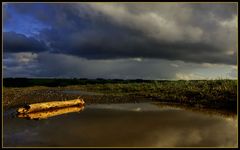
[[221, 11], [20, 65]]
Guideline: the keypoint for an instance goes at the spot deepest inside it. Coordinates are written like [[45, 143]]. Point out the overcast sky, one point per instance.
[[120, 40]]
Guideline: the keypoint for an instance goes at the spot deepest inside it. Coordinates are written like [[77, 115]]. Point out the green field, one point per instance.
[[218, 94]]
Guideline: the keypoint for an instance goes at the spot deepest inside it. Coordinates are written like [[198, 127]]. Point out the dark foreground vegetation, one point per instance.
[[53, 82], [217, 94]]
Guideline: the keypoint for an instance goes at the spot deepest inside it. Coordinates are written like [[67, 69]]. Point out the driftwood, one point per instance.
[[50, 113], [50, 106]]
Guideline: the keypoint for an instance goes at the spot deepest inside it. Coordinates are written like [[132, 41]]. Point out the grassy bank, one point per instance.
[[221, 94]]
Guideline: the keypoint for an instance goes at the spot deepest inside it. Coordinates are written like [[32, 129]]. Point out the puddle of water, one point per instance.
[[122, 125]]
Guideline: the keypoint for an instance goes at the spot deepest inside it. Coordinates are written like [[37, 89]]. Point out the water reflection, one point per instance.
[[113, 127], [207, 111]]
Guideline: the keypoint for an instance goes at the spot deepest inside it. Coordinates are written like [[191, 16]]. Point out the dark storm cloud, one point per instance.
[[14, 42], [188, 32]]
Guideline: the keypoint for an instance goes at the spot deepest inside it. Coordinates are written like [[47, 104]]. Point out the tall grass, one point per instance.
[[181, 90]]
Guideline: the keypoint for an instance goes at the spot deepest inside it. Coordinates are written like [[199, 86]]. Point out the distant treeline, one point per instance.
[[53, 82]]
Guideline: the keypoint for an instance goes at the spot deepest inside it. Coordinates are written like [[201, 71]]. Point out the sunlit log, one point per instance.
[[50, 105], [50, 113]]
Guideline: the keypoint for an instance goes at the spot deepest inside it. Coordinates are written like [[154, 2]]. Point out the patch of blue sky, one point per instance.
[[22, 23]]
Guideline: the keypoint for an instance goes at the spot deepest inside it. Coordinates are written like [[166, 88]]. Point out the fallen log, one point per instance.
[[50, 113], [50, 105]]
